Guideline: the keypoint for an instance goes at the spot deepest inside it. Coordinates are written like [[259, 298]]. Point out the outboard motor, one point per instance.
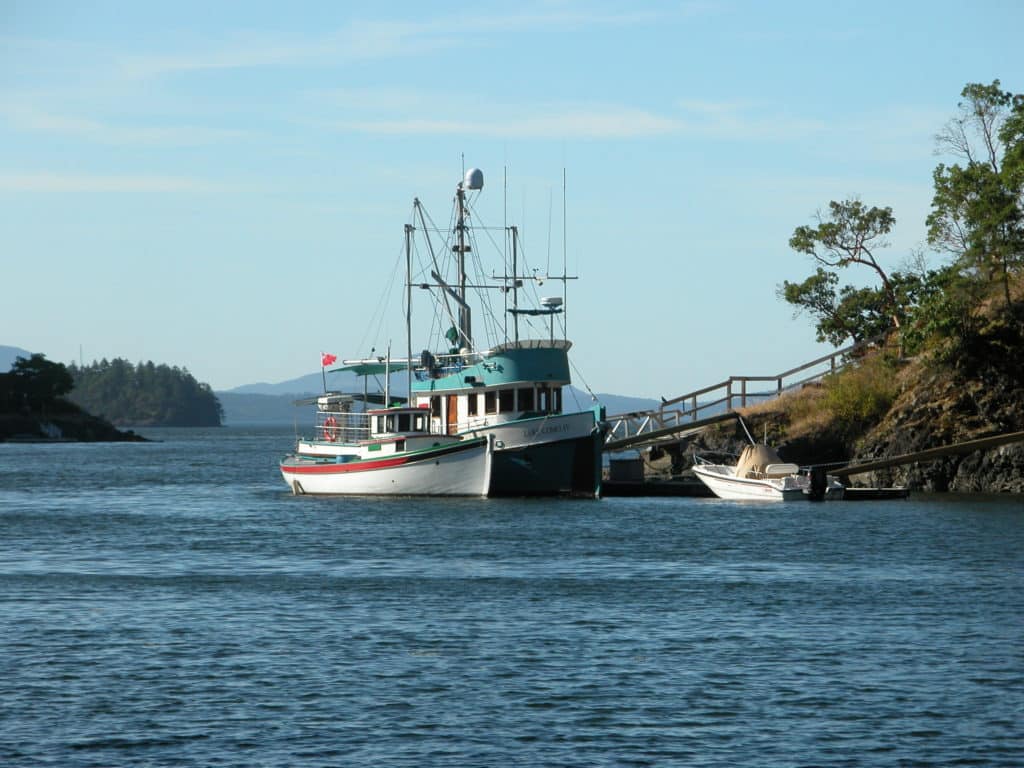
[[819, 483]]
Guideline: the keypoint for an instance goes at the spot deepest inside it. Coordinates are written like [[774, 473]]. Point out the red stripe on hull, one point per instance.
[[365, 466]]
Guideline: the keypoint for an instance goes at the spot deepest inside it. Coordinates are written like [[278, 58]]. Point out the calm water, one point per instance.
[[172, 604]]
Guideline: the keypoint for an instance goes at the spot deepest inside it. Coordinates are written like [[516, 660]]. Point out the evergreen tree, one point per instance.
[[145, 394]]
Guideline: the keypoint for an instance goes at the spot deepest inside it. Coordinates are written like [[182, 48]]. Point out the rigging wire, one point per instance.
[[383, 304], [586, 386]]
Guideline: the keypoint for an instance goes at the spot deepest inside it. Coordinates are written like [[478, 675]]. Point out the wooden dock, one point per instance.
[[969, 446]]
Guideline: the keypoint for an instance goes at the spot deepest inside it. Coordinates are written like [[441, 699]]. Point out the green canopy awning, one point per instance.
[[371, 369]]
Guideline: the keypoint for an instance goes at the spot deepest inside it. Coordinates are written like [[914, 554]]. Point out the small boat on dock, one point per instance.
[[760, 474]]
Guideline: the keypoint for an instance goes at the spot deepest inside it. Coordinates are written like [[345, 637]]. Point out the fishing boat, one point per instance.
[[388, 451], [508, 389], [760, 474]]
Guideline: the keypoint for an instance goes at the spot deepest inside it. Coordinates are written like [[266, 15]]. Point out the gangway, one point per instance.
[[688, 414]]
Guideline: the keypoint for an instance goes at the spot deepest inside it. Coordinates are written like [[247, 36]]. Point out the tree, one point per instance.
[[977, 211], [37, 381], [851, 313], [145, 394], [851, 235]]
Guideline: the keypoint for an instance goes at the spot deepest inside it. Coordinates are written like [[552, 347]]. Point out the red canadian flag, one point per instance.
[[326, 358]]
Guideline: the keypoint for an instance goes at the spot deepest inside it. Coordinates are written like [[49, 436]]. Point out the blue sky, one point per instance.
[[223, 186]]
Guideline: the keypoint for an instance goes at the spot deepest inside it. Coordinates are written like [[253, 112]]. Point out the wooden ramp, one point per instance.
[[670, 434], [981, 444], [687, 414]]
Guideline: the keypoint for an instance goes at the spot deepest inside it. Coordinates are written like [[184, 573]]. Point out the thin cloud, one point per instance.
[[368, 39], [53, 182], [744, 121], [31, 119], [611, 124], [717, 121]]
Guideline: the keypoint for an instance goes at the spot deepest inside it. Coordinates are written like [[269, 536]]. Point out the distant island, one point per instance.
[[34, 406], [41, 400], [145, 394]]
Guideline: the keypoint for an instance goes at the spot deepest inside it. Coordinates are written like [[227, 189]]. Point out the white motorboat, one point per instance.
[[390, 451], [760, 474]]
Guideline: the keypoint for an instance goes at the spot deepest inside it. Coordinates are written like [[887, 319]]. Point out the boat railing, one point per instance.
[[729, 395], [430, 366], [341, 427]]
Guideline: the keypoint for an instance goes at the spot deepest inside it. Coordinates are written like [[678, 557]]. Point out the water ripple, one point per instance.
[[172, 604]]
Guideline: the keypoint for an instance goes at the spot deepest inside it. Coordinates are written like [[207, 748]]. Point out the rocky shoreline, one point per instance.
[[935, 407], [61, 428]]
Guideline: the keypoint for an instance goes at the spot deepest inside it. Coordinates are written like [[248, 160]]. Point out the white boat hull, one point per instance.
[[523, 433], [722, 481], [461, 469], [508, 435]]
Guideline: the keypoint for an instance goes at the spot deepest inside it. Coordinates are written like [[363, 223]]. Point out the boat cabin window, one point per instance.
[[435, 406], [526, 399], [507, 400], [549, 399], [471, 403], [490, 402], [401, 422]]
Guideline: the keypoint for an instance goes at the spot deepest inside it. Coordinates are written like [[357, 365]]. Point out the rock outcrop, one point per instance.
[[937, 405], [71, 426]]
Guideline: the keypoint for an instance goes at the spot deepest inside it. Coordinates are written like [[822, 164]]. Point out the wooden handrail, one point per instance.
[[663, 413]]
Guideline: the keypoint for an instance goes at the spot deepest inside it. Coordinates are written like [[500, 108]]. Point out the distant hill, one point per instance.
[[9, 354], [263, 403], [312, 383], [242, 408]]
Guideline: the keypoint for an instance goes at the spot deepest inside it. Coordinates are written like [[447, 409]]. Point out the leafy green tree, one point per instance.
[[38, 380], [849, 313], [977, 211], [946, 304], [851, 234]]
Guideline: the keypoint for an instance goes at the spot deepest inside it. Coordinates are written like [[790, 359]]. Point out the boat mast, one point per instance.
[[465, 332], [387, 378], [565, 267], [473, 180], [408, 307], [515, 282]]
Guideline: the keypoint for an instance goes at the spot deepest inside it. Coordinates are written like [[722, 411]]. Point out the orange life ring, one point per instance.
[[330, 429]]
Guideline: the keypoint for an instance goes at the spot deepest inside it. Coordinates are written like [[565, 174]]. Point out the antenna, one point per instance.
[[504, 256], [565, 266], [551, 202]]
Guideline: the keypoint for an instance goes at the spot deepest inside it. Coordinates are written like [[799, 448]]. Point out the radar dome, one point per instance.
[[474, 179]]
